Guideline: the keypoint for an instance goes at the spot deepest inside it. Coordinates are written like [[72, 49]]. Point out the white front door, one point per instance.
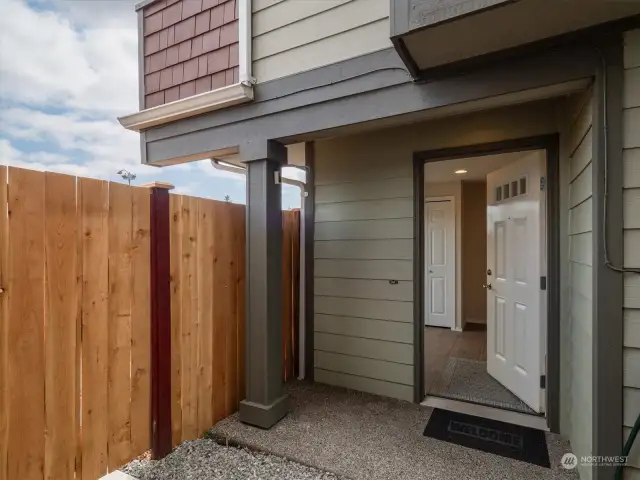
[[515, 253], [440, 264]]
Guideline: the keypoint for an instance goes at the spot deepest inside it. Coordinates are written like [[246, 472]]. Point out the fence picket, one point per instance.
[[189, 292], [94, 197], [240, 236], [175, 207], [228, 258], [60, 327], [140, 322], [4, 319], [205, 314], [25, 337], [119, 384]]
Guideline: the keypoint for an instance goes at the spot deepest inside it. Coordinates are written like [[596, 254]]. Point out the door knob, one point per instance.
[[488, 287]]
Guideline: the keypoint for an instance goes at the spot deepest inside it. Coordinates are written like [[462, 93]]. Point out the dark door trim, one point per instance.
[[549, 143]]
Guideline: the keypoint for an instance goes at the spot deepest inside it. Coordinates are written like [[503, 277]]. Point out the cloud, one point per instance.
[[68, 68], [46, 60]]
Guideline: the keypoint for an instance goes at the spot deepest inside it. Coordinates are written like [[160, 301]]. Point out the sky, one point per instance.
[[68, 69]]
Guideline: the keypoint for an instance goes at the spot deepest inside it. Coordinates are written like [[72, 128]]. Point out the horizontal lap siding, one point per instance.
[[357, 307], [580, 272], [363, 245], [294, 36], [631, 207]]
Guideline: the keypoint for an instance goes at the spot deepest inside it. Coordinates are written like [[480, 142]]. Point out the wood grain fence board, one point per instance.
[[140, 322], [119, 386], [205, 314], [60, 327], [78, 352], [240, 239], [26, 371], [189, 281], [219, 323], [227, 296], [94, 197], [4, 319], [175, 207]]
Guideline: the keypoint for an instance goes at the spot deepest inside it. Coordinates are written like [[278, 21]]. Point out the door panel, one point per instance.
[[515, 248], [440, 263]]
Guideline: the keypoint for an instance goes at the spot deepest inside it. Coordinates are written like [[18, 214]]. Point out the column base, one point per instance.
[[264, 416]]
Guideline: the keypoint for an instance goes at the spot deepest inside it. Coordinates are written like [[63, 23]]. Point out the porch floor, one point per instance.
[[367, 437]]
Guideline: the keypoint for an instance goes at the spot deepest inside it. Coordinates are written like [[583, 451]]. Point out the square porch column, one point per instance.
[[265, 403]]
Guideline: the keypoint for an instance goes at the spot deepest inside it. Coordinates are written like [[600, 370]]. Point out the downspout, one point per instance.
[[244, 43]]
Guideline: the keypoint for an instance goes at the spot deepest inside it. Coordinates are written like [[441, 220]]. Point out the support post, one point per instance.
[[265, 403], [161, 442]]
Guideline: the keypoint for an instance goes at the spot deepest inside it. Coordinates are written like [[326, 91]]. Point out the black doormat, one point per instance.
[[505, 439]]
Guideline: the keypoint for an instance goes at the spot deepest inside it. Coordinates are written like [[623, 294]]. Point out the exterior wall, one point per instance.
[[576, 265], [294, 36], [363, 239], [451, 189], [631, 215], [474, 251], [189, 47]]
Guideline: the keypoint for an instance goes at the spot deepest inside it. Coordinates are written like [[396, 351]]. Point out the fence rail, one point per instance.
[[75, 372]]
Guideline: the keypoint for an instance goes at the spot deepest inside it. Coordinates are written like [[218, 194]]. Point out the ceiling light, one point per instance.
[[460, 172]]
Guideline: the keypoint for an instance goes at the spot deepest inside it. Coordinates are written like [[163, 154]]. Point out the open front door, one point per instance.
[[515, 252]]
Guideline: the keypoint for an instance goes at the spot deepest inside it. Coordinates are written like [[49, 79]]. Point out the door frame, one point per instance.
[[452, 199], [551, 145]]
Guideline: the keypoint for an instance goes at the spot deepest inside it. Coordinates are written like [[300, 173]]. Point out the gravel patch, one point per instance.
[[205, 459]]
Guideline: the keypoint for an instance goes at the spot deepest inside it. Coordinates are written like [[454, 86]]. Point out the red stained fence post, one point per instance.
[[161, 442]]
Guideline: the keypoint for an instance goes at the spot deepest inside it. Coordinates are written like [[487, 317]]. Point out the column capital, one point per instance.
[[261, 149]]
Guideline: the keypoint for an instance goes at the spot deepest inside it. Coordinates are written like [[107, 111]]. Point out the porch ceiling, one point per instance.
[[477, 167], [508, 25]]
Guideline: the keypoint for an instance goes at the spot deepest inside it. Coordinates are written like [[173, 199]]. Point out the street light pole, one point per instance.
[[127, 175]]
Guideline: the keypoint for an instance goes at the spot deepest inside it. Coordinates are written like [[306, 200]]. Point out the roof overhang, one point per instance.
[[431, 34]]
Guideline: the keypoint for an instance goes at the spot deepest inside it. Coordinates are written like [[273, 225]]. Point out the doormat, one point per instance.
[[512, 441]]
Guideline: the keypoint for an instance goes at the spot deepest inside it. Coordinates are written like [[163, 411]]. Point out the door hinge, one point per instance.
[[543, 184], [543, 283], [543, 381]]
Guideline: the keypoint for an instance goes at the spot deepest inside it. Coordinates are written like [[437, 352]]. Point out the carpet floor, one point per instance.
[[468, 380]]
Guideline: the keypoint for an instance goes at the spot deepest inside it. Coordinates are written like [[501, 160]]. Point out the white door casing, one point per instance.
[[440, 262], [516, 248]]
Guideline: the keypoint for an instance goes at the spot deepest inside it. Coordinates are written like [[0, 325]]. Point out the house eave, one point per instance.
[[188, 107]]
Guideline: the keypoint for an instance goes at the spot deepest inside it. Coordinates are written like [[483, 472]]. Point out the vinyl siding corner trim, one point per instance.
[[188, 107]]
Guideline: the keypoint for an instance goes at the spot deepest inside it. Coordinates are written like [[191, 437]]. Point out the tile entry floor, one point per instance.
[[455, 367]]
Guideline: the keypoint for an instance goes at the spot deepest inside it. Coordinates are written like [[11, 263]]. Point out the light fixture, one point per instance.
[[460, 172]]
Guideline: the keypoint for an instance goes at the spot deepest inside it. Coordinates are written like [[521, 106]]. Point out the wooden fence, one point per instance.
[[75, 341]]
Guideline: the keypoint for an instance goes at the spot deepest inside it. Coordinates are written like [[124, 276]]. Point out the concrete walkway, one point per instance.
[[367, 437]]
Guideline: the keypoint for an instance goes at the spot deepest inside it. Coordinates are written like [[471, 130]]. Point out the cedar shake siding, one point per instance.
[[190, 47]]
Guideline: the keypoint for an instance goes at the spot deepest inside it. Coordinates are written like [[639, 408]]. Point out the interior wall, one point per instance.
[[451, 189], [474, 251], [364, 238]]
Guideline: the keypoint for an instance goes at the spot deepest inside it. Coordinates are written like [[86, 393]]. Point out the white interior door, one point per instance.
[[440, 262], [515, 253]]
